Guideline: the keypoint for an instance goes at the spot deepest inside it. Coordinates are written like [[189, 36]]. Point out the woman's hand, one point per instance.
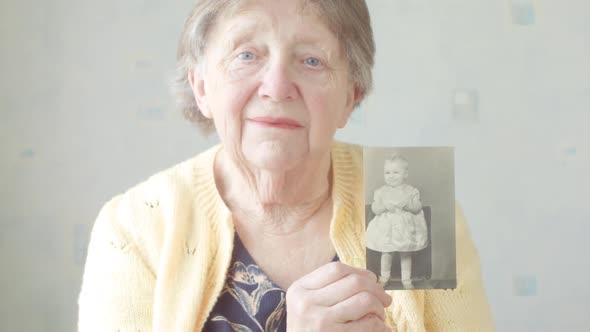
[[337, 297]]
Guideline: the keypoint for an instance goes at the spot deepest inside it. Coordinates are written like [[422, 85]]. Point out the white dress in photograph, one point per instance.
[[397, 231]]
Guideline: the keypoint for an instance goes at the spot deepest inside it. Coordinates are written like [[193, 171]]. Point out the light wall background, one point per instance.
[[85, 113]]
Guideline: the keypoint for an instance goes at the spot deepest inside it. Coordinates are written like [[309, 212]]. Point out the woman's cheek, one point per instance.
[[238, 70], [236, 97], [319, 78]]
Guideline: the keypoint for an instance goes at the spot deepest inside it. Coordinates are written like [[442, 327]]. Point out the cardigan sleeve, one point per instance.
[[464, 308], [118, 285]]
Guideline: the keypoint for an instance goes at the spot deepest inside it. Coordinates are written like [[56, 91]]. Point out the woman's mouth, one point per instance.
[[281, 123]]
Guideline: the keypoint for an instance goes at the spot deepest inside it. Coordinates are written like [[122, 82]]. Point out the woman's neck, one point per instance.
[[277, 202]]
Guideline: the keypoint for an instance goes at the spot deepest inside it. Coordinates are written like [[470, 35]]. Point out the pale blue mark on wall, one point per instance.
[[525, 285], [27, 153], [569, 155], [570, 151], [523, 12]]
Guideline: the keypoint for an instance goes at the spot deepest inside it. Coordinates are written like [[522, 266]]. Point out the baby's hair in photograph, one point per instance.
[[397, 158]]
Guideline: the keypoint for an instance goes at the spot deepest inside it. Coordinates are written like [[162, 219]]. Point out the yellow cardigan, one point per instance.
[[159, 254]]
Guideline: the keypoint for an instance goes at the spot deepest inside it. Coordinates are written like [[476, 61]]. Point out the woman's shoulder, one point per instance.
[[349, 151], [347, 167], [347, 161], [166, 186], [465, 307], [144, 211]]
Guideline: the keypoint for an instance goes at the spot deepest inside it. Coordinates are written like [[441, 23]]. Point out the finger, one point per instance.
[[348, 286], [368, 323], [371, 274], [356, 307], [326, 274]]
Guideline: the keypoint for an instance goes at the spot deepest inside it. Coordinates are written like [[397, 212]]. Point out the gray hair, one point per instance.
[[348, 19]]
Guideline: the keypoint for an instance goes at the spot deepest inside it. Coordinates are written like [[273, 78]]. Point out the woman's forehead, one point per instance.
[[294, 19], [253, 23], [299, 7]]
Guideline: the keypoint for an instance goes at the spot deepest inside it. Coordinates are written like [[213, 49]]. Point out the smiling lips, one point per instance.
[[281, 123]]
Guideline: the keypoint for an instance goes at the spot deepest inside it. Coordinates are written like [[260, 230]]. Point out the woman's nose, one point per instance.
[[277, 82]]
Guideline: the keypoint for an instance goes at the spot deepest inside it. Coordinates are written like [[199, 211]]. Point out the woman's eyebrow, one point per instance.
[[318, 43], [310, 39], [238, 33]]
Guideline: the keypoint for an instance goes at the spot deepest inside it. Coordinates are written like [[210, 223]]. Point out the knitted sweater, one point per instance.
[[159, 254]]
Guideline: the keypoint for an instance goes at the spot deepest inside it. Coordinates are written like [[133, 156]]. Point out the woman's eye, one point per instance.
[[314, 62], [246, 56]]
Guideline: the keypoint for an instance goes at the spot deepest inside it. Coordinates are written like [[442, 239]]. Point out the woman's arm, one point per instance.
[[118, 286], [466, 307]]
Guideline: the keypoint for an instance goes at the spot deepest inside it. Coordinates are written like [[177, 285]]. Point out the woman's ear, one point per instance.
[[197, 83], [354, 96]]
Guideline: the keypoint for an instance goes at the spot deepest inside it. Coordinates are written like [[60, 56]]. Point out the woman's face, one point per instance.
[[276, 84]]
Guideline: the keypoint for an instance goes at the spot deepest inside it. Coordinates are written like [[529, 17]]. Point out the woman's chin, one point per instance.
[[275, 156]]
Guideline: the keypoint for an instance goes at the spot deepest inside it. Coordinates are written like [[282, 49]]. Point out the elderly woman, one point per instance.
[[265, 231]]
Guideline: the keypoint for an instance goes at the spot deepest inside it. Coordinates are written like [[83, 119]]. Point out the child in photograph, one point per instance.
[[399, 224]]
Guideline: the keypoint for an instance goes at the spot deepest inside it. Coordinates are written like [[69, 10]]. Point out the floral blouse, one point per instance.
[[249, 301]]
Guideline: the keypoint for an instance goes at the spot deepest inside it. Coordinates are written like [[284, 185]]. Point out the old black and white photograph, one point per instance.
[[410, 216]]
